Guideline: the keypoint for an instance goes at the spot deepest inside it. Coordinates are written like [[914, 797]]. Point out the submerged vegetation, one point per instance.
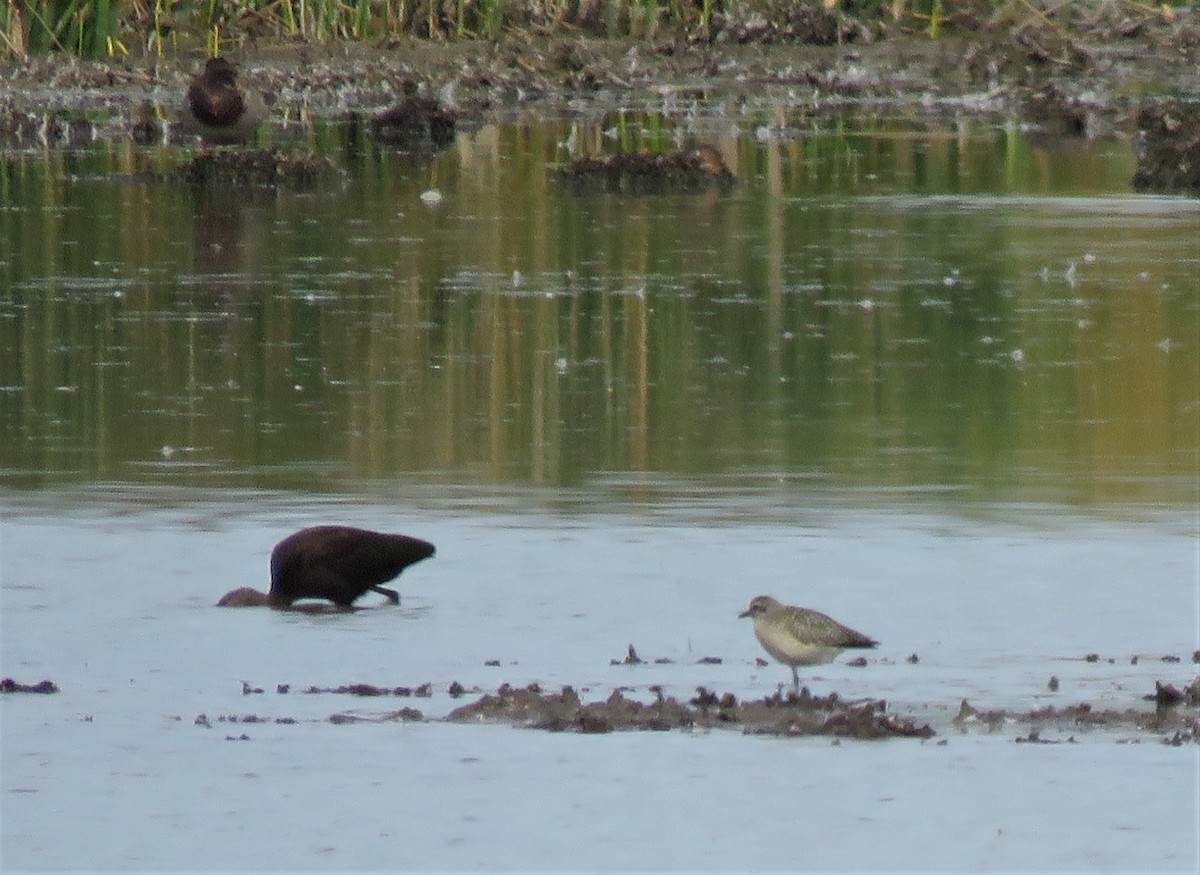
[[96, 28]]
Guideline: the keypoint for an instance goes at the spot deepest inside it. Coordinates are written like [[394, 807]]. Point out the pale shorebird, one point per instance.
[[336, 563], [799, 636], [219, 111]]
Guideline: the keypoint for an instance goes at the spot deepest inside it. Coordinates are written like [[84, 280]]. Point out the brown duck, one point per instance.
[[334, 563], [217, 110]]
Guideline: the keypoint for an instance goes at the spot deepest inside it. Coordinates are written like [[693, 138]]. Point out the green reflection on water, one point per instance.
[[875, 305]]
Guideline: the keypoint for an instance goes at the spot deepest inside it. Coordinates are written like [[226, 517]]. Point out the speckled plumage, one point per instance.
[[800, 636]]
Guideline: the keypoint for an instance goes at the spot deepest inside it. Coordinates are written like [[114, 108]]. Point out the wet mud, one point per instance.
[[791, 714], [1168, 714], [1175, 717]]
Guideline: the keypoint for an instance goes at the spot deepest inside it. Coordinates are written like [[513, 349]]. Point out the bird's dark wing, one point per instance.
[[821, 628], [340, 563]]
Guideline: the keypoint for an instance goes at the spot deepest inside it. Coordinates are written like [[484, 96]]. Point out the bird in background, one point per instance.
[[334, 563], [800, 636], [217, 110]]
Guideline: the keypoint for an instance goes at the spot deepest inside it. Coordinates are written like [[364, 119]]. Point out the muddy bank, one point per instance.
[[1086, 76], [1123, 70]]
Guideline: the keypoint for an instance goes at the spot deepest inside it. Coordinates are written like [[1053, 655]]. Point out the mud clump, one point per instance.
[[422, 691], [646, 173], [1191, 693], [1168, 148], [1167, 716], [203, 721], [404, 715], [528, 706], [631, 658], [804, 714], [793, 715], [256, 168], [1169, 696], [8, 685], [1084, 716]]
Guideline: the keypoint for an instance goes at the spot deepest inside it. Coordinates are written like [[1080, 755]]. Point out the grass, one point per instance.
[[98, 28], [81, 27]]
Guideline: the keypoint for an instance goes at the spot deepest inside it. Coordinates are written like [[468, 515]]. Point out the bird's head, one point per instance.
[[220, 70], [760, 604]]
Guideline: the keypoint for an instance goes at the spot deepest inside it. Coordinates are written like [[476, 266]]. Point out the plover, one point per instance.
[[799, 636]]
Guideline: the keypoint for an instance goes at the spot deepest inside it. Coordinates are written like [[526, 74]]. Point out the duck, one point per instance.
[[415, 123], [335, 563], [217, 110]]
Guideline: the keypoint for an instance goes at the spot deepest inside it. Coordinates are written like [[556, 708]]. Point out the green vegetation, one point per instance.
[[82, 27]]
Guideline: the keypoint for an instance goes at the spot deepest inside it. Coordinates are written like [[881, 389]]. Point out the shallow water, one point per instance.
[[112, 599], [939, 382]]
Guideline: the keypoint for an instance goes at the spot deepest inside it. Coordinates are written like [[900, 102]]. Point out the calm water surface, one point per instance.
[[881, 305], [938, 380]]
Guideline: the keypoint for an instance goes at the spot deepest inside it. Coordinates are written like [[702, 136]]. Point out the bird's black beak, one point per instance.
[[745, 613]]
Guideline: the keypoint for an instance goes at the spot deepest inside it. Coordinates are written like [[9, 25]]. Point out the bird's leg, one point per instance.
[[392, 595], [795, 679]]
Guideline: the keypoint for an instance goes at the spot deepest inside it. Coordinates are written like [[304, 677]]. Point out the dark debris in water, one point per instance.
[[8, 685], [404, 715], [794, 714], [256, 168], [631, 658], [644, 173], [203, 720], [1035, 737], [1168, 696], [421, 691], [1167, 717]]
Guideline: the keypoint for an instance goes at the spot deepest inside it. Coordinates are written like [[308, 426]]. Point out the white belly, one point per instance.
[[785, 647]]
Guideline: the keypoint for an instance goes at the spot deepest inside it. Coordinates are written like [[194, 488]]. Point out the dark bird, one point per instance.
[[800, 636], [219, 111], [416, 123], [335, 563]]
